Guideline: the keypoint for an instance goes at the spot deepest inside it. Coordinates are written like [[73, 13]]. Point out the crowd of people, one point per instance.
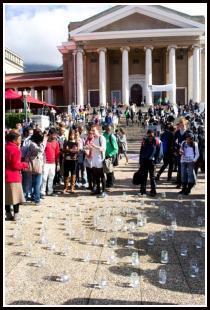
[[81, 148]]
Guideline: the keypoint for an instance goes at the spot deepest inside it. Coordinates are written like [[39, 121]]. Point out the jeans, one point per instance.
[[36, 186], [27, 183], [188, 173], [48, 175]]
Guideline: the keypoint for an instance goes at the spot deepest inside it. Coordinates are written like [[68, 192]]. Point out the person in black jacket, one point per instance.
[[167, 139], [179, 137], [149, 153]]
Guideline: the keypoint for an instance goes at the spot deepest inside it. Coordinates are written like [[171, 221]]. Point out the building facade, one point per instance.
[[46, 85], [122, 53], [13, 62]]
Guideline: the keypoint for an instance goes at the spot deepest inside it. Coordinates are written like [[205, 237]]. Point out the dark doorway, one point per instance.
[[136, 94], [180, 96], [94, 98]]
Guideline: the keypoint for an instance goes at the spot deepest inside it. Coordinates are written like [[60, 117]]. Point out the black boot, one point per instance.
[[157, 178], [188, 189], [184, 188]]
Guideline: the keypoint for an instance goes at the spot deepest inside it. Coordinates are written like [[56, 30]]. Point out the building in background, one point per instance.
[[13, 62], [116, 54], [44, 85]]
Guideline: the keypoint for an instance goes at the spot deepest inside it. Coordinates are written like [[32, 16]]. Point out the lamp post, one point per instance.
[[25, 103]]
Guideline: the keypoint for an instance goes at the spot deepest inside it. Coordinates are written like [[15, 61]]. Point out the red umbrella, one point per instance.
[[11, 94]]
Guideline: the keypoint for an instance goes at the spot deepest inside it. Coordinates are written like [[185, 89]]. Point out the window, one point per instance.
[[115, 61], [156, 60], [135, 61], [115, 96], [93, 59], [179, 57]]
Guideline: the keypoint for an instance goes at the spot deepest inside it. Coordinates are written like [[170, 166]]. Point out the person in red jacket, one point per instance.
[[51, 158], [13, 178]]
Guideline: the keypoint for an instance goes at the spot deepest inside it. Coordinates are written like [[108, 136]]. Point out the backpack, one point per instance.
[[115, 158]]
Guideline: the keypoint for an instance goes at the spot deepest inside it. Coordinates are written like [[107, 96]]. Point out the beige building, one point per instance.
[[132, 53], [13, 62]]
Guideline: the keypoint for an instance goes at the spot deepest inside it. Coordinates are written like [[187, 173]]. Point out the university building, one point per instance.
[[13, 62], [129, 53], [117, 54]]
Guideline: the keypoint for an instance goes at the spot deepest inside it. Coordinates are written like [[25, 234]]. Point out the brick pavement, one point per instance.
[[27, 284]]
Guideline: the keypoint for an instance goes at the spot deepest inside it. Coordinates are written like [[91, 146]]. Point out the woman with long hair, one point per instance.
[[70, 150], [13, 180]]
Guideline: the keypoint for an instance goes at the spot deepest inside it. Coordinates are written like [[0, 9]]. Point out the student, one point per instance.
[[122, 142], [189, 155], [88, 159], [70, 150], [148, 158], [51, 159], [13, 166], [98, 149]]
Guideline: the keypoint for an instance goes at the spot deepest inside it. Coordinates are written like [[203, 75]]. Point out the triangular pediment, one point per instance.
[[136, 17], [137, 21]]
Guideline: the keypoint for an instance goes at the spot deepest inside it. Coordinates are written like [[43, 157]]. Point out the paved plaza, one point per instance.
[[81, 224]]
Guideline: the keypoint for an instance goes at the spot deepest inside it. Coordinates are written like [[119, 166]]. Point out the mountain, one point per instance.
[[39, 67]]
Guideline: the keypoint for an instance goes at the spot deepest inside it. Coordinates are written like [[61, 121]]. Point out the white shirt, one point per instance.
[[98, 155], [189, 155]]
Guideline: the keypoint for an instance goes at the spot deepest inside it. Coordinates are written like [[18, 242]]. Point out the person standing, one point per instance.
[[98, 149], [127, 115], [167, 139], [26, 175], [123, 146], [179, 137], [111, 153], [51, 159], [70, 150], [88, 159], [13, 181], [189, 155], [148, 158], [36, 150]]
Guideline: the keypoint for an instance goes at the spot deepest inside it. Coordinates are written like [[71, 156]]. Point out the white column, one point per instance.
[[102, 76], [125, 75], [80, 87], [172, 73], [33, 92], [196, 73], [49, 95], [148, 73]]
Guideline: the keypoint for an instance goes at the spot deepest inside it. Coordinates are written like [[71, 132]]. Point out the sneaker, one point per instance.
[[42, 196], [37, 203], [102, 195]]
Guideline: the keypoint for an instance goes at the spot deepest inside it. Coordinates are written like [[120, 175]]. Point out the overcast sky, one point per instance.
[[34, 31]]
